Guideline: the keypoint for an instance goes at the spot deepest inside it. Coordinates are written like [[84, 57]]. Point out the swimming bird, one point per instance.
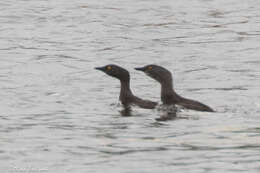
[[127, 98], [168, 94]]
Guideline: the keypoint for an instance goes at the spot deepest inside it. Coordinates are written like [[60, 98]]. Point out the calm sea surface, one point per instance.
[[58, 114]]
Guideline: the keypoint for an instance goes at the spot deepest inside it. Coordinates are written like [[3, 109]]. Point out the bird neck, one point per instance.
[[168, 95], [125, 91]]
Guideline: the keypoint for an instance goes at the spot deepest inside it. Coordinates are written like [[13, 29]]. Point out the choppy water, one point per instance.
[[57, 114]]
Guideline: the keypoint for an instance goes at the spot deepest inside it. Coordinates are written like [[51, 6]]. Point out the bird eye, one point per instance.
[[109, 67], [150, 68]]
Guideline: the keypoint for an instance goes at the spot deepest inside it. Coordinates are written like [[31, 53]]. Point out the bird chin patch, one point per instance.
[[148, 74]]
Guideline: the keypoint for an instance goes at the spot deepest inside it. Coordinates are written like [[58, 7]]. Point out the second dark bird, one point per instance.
[[168, 95]]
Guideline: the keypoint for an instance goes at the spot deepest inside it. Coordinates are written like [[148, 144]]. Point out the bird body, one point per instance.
[[168, 94], [127, 98]]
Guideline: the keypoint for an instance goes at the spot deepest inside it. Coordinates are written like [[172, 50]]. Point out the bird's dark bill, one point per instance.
[[100, 68], [140, 68]]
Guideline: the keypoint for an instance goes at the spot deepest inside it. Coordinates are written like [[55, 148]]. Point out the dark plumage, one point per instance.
[[168, 95], [126, 96]]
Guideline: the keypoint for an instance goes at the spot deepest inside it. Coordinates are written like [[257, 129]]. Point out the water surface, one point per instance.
[[60, 115]]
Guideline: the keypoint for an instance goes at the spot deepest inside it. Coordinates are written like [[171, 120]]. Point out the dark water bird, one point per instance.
[[127, 98], [168, 95]]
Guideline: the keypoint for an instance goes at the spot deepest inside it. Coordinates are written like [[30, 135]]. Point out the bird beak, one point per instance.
[[101, 68], [140, 69]]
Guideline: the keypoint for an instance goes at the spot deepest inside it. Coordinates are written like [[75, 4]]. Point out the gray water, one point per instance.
[[58, 114]]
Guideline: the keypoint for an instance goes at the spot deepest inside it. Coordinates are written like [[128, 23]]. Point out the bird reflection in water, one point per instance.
[[126, 111], [168, 115]]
